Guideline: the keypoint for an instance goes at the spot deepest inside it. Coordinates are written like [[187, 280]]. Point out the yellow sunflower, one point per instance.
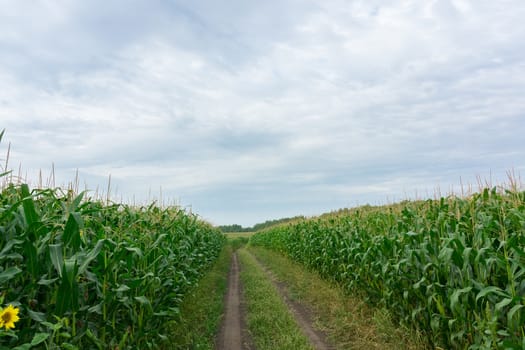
[[9, 316]]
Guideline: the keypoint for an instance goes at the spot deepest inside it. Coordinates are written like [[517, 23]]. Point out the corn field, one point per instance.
[[90, 275], [452, 268]]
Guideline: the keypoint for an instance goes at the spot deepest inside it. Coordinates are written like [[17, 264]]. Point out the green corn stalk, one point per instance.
[[95, 274], [453, 268]]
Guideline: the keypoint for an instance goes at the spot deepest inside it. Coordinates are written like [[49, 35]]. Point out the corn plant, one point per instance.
[[92, 275], [453, 268]]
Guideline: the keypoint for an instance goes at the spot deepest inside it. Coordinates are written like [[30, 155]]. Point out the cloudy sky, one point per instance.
[[255, 110]]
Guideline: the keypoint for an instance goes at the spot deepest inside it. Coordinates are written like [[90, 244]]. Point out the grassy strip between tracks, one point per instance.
[[269, 320], [201, 310], [347, 320]]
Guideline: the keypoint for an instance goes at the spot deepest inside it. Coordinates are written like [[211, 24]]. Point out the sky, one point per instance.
[[245, 111]]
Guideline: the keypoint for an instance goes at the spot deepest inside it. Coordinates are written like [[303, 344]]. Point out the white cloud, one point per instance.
[[268, 108]]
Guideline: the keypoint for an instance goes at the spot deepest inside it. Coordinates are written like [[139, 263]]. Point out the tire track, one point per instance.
[[302, 314], [230, 334], [234, 334]]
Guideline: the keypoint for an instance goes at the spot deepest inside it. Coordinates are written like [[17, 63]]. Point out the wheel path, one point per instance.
[[230, 337], [234, 335]]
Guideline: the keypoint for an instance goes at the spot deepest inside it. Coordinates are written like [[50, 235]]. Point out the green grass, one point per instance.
[[269, 321], [233, 235], [237, 241], [348, 322], [201, 311]]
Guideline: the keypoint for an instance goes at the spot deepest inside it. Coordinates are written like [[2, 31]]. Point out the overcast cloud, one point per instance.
[[256, 110]]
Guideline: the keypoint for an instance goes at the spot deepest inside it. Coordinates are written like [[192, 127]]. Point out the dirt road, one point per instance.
[[302, 315], [234, 334], [230, 336]]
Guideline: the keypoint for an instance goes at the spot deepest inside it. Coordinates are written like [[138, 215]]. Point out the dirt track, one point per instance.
[[234, 334], [230, 336], [302, 315]]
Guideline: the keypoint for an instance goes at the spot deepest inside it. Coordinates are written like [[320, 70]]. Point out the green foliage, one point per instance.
[[232, 228], [91, 276], [258, 227], [453, 268], [202, 309], [271, 223]]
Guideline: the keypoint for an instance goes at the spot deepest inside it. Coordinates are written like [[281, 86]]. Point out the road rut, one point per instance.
[[230, 336], [303, 316], [234, 334]]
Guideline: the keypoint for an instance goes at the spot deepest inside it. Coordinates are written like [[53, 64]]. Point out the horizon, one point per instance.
[[513, 182]]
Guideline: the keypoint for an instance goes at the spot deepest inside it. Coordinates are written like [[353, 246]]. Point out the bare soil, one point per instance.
[[234, 334]]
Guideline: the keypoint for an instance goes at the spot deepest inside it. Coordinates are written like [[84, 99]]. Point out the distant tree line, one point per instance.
[[233, 228], [258, 227]]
